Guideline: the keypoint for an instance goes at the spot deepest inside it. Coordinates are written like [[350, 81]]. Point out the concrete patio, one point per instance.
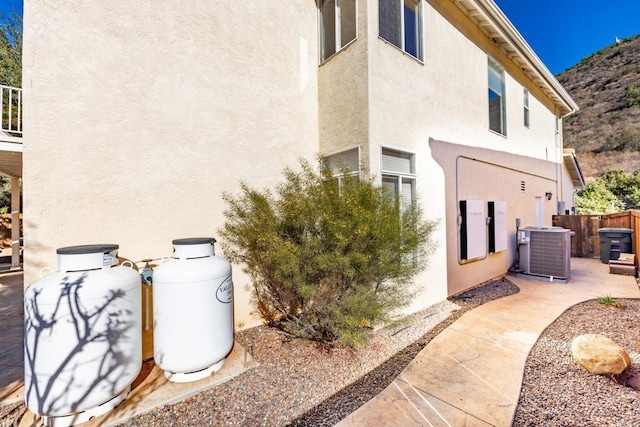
[[471, 373], [11, 336]]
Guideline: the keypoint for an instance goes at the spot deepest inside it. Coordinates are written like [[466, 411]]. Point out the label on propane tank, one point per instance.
[[225, 291]]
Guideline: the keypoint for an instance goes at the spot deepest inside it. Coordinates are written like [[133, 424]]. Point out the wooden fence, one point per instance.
[[586, 242]]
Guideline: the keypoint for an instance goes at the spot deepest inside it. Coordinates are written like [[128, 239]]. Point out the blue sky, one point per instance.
[[562, 32], [7, 5]]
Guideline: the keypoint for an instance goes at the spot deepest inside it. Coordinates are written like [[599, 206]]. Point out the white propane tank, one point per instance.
[[83, 336], [192, 311]]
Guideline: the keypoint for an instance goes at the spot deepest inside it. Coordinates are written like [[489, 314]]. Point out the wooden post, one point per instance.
[[15, 223]]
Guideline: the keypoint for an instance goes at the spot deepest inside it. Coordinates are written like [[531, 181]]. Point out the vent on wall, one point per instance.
[[523, 186], [473, 231], [546, 251]]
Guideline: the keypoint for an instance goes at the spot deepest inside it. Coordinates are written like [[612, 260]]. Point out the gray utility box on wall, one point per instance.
[[613, 242], [546, 252]]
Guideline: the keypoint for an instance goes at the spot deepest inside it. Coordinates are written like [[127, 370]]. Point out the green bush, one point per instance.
[[329, 259], [632, 96], [627, 139], [11, 48], [5, 194], [597, 198]]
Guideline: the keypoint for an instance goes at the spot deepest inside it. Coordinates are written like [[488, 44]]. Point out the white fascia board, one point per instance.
[[574, 167], [511, 35]]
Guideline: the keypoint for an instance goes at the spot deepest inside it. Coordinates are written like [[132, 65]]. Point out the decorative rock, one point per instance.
[[599, 355]]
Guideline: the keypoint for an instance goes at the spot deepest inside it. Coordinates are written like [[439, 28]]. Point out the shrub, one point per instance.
[[609, 301], [627, 139], [632, 96], [329, 259], [5, 195], [597, 198]]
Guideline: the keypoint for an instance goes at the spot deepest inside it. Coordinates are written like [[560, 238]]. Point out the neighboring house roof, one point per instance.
[[571, 162], [493, 22]]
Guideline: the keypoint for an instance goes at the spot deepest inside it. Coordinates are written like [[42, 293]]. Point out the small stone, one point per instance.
[[634, 382], [599, 355]]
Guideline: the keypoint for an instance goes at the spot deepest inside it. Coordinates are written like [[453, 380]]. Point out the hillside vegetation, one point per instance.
[[606, 131]]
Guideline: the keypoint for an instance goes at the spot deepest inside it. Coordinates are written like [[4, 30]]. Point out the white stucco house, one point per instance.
[[138, 116]]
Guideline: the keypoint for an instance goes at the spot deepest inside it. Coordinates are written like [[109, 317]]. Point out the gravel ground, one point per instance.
[[302, 384], [556, 391]]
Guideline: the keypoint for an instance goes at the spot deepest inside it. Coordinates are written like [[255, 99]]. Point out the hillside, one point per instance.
[[606, 131]]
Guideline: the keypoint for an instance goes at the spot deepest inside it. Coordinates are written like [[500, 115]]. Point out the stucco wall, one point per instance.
[[568, 194], [444, 97], [474, 173], [138, 117], [568, 189], [343, 94]]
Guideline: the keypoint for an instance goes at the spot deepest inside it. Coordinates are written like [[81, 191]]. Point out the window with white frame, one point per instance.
[[496, 98], [400, 23], [344, 163], [399, 176], [337, 25], [526, 107]]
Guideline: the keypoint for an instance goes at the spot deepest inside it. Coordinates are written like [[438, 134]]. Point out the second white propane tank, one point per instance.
[[192, 311]]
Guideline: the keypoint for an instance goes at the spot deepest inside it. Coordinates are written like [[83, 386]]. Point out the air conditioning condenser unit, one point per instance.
[[545, 252]]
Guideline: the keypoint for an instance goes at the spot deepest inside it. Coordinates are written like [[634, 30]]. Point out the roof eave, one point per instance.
[[513, 41], [574, 167]]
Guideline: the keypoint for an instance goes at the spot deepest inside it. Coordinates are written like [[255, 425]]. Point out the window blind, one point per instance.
[[395, 161]]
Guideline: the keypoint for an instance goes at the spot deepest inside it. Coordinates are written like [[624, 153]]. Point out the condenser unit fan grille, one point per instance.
[[548, 254]]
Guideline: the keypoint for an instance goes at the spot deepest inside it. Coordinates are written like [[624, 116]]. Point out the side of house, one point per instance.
[[139, 118], [445, 102], [572, 182]]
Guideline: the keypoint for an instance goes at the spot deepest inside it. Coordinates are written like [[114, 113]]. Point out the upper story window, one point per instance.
[[496, 98], [526, 107], [343, 165], [344, 162], [399, 175], [337, 19], [400, 23]]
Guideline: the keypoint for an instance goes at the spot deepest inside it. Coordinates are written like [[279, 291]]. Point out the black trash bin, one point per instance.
[[614, 241]]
